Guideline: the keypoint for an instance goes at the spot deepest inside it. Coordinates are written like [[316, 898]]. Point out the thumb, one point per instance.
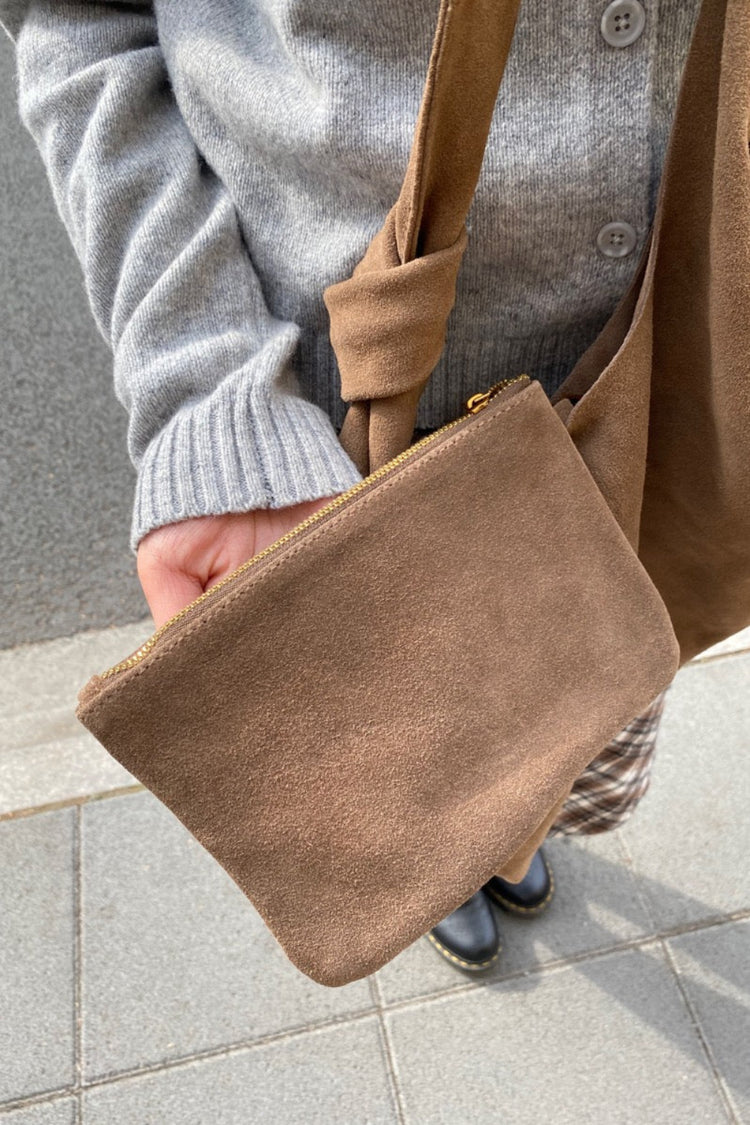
[[175, 591], [167, 589]]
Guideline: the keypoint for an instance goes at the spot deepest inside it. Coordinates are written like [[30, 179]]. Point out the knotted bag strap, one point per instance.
[[388, 320]]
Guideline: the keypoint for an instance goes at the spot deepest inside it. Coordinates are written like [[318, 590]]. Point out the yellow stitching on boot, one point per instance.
[[473, 965], [512, 906]]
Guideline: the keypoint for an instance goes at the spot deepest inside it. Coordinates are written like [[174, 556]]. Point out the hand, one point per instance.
[[177, 562]]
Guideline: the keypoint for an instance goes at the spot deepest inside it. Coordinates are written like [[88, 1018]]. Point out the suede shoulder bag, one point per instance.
[[388, 705]]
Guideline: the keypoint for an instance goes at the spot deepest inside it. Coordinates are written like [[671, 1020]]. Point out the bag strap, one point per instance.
[[388, 320]]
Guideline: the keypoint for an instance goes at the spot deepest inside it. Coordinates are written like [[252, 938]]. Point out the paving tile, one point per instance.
[[36, 954], [608, 1040], [691, 836], [61, 1112], [57, 771], [46, 755], [321, 1078], [715, 968], [595, 906], [175, 959], [39, 681]]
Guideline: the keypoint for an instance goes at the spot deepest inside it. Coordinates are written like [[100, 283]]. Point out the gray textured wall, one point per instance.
[[66, 482]]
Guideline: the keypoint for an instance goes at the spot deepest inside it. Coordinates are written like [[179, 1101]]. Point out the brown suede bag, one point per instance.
[[388, 705]]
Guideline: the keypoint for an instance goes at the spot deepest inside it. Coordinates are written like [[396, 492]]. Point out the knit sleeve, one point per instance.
[[217, 422]]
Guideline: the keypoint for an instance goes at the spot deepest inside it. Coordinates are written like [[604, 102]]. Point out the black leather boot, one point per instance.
[[469, 936], [532, 895]]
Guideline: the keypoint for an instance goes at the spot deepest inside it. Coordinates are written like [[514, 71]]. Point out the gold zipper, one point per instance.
[[473, 406]]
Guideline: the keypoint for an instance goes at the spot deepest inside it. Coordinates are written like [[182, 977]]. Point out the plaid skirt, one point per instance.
[[608, 790]]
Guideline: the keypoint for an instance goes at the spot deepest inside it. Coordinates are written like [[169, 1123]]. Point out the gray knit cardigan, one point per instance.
[[218, 164]]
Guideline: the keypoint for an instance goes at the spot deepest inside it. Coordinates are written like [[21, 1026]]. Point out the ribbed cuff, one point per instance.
[[222, 455]]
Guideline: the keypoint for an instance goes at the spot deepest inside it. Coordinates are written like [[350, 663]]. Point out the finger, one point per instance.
[[168, 591]]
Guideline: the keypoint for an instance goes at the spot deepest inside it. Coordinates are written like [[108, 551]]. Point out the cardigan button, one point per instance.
[[622, 22], [616, 240]]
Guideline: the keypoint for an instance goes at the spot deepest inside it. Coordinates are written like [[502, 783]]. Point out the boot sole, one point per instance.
[[514, 908], [470, 966]]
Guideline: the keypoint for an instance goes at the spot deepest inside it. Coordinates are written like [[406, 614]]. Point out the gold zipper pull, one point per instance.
[[479, 401]]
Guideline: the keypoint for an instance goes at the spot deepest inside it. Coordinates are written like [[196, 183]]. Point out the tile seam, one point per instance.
[[28, 1101], [71, 802], [389, 1055], [559, 965], [105, 631], [225, 1050], [78, 964], [548, 967], [721, 1088]]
